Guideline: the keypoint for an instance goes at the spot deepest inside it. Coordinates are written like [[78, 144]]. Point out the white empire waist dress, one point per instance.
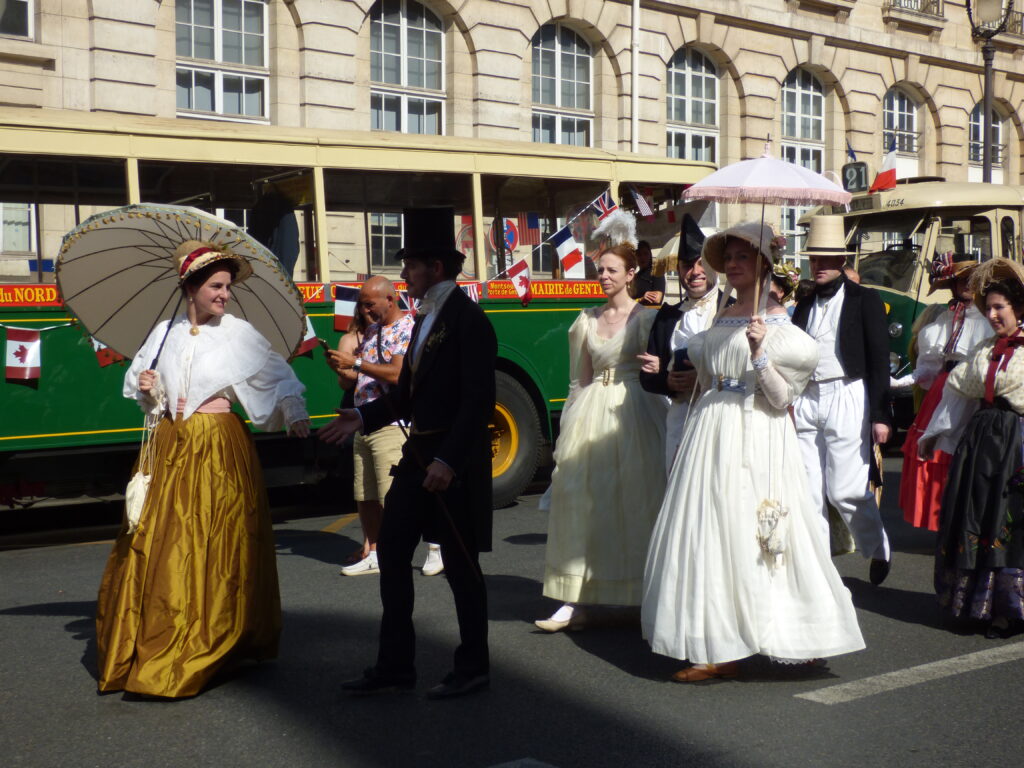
[[709, 594]]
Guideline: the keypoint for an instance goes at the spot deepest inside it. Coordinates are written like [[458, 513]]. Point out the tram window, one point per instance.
[[1007, 237], [979, 242]]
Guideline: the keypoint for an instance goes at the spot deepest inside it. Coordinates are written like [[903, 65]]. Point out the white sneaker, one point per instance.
[[433, 565], [365, 566]]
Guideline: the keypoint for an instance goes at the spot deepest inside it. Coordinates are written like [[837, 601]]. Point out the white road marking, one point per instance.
[[936, 670]]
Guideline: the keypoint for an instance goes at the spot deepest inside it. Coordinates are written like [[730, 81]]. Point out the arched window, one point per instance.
[[976, 148], [562, 75], [803, 140], [692, 102], [222, 55], [406, 68], [899, 122]]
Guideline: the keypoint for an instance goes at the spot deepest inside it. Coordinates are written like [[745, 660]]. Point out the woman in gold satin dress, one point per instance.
[[194, 585]]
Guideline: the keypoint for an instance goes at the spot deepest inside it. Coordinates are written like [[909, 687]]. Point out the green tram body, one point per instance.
[[71, 433], [985, 219]]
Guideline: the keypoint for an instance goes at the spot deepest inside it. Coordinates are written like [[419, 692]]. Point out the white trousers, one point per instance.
[[835, 443]]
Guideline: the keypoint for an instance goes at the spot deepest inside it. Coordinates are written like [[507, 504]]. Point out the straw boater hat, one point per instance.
[[761, 238], [826, 237], [997, 270], [948, 265], [193, 255]]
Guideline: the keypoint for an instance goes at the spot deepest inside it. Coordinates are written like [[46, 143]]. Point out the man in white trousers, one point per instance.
[[844, 410]]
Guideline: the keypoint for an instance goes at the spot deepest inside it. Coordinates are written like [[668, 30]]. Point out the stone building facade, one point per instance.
[[715, 80]]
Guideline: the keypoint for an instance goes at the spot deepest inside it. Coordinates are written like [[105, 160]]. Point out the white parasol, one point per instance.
[[118, 274], [769, 181]]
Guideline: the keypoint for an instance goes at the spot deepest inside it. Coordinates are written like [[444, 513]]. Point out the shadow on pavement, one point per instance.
[[899, 604]]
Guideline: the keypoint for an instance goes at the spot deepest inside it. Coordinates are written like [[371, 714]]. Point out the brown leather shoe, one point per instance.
[[706, 672]]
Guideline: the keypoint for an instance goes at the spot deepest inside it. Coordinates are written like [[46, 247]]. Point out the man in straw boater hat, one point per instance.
[[942, 343], [845, 408], [441, 490]]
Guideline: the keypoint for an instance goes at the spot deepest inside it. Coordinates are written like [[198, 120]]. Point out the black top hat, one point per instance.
[[430, 234], [691, 241]]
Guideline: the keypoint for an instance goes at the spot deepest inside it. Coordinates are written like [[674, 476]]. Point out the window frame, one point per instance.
[[688, 129], [33, 251], [799, 144], [975, 146], [540, 109], [404, 113], [30, 13], [378, 240], [220, 68], [897, 114]]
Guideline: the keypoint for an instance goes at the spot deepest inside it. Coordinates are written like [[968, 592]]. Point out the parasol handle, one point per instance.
[[152, 366]]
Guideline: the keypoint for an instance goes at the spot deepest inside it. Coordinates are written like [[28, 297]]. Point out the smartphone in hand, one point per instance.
[[681, 360]]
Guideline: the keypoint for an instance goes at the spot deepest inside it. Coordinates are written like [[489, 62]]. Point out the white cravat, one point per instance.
[[429, 308]]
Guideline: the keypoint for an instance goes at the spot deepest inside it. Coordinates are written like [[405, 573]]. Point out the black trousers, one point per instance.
[[409, 514]]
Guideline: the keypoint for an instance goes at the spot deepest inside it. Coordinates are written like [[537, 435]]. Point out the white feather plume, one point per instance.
[[619, 226]]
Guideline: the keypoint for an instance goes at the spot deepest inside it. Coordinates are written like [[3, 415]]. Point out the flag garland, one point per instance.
[[23, 351]]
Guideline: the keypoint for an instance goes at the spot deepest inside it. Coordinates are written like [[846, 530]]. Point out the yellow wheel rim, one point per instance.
[[504, 440]]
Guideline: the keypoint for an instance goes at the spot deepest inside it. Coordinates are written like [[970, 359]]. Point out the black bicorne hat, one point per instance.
[[691, 241], [430, 234]]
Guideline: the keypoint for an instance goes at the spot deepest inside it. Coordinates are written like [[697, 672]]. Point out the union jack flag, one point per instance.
[[604, 205]]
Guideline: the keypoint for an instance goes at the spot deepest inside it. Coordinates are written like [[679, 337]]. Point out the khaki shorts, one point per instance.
[[373, 456]]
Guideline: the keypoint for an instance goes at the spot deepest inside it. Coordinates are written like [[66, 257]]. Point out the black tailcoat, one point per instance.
[[863, 343]]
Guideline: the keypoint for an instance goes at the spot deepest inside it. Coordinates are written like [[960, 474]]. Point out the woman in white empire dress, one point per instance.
[[609, 474], [736, 566]]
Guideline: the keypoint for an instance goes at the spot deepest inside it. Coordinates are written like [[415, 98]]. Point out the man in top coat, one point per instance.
[[845, 407], [442, 485]]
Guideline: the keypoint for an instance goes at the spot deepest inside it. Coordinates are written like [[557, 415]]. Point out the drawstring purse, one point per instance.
[[138, 486]]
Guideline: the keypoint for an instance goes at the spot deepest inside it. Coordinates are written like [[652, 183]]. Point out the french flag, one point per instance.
[[570, 255], [346, 298], [886, 178]]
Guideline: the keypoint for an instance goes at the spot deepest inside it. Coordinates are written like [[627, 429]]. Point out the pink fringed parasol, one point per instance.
[[768, 181]]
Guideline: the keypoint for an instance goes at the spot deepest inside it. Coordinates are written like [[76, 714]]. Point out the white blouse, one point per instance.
[[227, 358]]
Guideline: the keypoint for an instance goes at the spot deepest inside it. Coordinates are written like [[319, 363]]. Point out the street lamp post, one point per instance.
[[992, 17]]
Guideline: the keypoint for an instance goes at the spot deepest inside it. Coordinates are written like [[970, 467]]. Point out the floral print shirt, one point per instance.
[[394, 340]]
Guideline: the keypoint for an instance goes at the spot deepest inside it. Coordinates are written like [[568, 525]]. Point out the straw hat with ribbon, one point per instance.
[[826, 237], [761, 237], [997, 270], [194, 255], [948, 265]]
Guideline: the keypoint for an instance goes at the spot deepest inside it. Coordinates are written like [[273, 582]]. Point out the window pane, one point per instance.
[[183, 40], [416, 73], [414, 117], [254, 50], [392, 113], [544, 129], [202, 11], [17, 227], [415, 39], [391, 11], [254, 97], [433, 46], [231, 14], [254, 18], [232, 42], [582, 96], [183, 79], [232, 95], [203, 43], [203, 91], [432, 77], [183, 11], [392, 69], [391, 38]]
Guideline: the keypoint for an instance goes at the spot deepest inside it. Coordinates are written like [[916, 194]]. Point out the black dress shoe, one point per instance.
[[879, 570], [455, 684], [373, 682]]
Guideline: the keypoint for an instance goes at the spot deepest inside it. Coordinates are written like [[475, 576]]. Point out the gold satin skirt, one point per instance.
[[196, 585]]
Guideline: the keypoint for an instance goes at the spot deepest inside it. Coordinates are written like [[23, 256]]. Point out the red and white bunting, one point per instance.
[[105, 355], [519, 274], [346, 298], [24, 356], [309, 340]]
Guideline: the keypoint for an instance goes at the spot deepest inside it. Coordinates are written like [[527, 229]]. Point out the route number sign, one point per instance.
[[855, 177]]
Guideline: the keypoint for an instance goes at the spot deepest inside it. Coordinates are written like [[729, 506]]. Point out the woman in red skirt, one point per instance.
[[942, 344]]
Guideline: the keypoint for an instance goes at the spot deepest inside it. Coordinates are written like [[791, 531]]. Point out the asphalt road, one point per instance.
[[592, 698]]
